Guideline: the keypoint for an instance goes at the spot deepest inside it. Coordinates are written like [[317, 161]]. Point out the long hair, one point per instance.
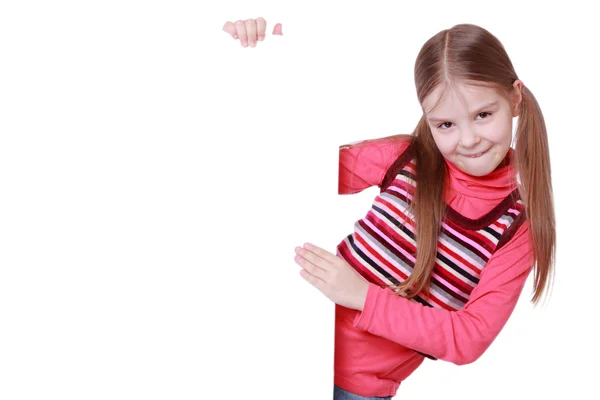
[[469, 53]]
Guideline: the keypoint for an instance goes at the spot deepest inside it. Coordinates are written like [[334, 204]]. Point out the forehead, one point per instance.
[[458, 98]]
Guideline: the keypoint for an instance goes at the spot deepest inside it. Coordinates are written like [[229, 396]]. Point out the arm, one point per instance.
[[461, 336], [364, 164]]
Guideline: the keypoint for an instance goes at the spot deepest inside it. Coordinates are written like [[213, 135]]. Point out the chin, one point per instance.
[[473, 169], [482, 165]]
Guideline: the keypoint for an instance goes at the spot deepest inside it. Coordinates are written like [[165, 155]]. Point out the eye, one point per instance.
[[447, 125]]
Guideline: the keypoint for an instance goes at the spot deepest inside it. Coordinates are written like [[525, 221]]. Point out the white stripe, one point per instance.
[[488, 235], [364, 264]]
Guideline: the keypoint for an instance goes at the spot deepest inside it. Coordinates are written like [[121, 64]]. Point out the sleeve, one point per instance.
[[364, 164], [462, 336]]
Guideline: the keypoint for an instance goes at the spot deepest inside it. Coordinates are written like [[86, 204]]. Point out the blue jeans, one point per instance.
[[341, 394]]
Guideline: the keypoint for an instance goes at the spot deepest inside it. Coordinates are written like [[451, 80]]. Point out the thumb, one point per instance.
[[229, 27], [277, 29]]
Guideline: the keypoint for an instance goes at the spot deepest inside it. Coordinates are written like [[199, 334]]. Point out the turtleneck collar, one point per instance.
[[496, 185]]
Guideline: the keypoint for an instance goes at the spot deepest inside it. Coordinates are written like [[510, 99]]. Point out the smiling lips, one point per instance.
[[475, 155]]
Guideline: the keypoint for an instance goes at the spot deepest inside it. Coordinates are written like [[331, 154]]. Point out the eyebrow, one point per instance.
[[480, 109]]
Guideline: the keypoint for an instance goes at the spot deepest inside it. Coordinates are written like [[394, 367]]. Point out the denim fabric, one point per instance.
[[341, 394]]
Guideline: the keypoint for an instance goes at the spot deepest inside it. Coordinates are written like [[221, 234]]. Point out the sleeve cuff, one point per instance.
[[363, 318]]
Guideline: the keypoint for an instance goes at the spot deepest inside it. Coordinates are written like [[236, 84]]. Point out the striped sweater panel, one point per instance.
[[382, 247]]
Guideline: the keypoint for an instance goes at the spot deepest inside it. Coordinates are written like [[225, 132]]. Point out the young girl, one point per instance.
[[437, 265]]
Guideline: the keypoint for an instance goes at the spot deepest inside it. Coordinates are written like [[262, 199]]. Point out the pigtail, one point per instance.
[[470, 54], [427, 208], [533, 165]]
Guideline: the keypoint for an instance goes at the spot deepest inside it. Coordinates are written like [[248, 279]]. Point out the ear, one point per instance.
[[516, 97]]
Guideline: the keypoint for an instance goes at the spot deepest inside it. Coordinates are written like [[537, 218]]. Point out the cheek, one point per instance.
[[501, 132], [445, 143]]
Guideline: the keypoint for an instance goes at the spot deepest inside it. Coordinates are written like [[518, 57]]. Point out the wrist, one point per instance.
[[362, 296]]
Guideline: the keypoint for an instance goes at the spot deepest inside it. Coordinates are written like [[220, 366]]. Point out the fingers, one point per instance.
[[324, 254], [251, 32], [311, 264], [240, 27], [261, 27], [229, 27], [316, 282]]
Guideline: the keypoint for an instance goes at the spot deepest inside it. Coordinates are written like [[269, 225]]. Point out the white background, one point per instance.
[[155, 178]]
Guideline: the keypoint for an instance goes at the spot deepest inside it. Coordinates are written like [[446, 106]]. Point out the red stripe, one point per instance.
[[366, 273], [433, 298], [393, 235], [473, 268], [452, 279], [388, 234], [500, 225], [382, 260], [396, 210], [482, 240]]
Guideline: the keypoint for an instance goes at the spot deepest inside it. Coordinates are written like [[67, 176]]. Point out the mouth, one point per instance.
[[475, 155]]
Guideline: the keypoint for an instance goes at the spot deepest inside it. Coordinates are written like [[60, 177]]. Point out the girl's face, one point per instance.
[[472, 125]]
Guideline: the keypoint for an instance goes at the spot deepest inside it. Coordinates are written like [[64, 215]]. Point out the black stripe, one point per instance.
[[455, 267], [396, 223], [345, 252], [466, 233], [418, 299], [408, 264], [449, 291], [372, 263], [493, 233], [407, 174]]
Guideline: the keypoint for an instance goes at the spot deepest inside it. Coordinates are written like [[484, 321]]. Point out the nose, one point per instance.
[[469, 138]]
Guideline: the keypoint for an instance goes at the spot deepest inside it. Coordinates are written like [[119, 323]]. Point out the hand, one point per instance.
[[333, 276], [250, 30]]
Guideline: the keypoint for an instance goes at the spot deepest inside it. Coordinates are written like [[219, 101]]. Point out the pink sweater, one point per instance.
[[376, 349]]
